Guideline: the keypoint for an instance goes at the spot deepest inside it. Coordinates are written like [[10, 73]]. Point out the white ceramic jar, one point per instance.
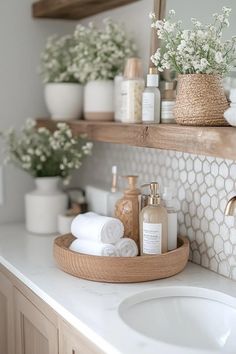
[[64, 100], [43, 205], [99, 100]]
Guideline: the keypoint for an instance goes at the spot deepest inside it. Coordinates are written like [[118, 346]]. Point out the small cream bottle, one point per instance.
[[131, 90], [151, 102], [153, 225], [172, 218]]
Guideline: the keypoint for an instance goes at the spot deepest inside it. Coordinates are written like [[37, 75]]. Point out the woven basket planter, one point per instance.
[[200, 100]]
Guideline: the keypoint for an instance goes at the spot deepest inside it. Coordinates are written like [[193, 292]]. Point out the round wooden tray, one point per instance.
[[120, 269]]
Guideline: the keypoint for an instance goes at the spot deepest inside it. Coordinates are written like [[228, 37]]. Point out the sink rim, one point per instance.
[[178, 291], [175, 291]]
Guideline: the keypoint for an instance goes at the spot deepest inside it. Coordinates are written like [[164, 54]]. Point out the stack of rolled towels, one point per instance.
[[101, 236]]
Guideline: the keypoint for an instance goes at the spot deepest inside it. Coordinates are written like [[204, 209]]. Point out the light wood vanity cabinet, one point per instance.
[[6, 316], [35, 334], [72, 342], [29, 326]]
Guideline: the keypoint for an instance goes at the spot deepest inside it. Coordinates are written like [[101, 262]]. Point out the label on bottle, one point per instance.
[[152, 238], [167, 113], [148, 110]]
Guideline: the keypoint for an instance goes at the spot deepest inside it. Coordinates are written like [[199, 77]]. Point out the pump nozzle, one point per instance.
[[154, 197]]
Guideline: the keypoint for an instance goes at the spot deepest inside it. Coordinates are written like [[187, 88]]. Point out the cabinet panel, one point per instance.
[[72, 342], [7, 337], [35, 334]]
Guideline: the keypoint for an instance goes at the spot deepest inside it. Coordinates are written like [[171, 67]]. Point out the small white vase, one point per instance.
[[99, 100], [64, 100], [43, 205]]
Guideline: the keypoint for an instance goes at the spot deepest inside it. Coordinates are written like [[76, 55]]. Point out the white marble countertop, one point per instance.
[[89, 306]]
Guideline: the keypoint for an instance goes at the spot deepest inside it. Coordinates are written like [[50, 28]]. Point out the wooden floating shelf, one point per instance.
[[211, 141], [74, 9]]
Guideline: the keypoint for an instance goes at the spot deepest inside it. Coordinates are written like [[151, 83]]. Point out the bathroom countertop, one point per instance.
[[92, 307]]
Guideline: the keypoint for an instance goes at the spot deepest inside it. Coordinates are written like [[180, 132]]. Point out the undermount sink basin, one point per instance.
[[186, 317]]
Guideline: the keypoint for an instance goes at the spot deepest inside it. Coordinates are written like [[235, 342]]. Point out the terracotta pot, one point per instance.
[[200, 100]]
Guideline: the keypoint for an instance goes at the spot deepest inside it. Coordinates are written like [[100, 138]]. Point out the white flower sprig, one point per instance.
[[57, 60], [100, 54], [43, 153], [198, 50]]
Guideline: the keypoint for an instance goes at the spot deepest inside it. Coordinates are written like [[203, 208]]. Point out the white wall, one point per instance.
[[22, 39]]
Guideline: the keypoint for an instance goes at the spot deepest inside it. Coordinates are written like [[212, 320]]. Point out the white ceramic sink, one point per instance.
[[188, 317]]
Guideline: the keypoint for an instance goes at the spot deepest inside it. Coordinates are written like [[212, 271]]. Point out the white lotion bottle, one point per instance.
[[230, 113], [151, 101], [172, 218]]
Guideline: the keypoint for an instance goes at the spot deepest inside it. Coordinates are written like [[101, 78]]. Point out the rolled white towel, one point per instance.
[[127, 247], [95, 227], [94, 248]]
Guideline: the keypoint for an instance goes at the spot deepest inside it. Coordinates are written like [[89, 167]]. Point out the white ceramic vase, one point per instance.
[[43, 205], [64, 100], [99, 100]]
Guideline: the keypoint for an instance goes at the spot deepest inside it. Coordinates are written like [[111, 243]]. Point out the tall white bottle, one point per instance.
[[151, 102], [172, 218]]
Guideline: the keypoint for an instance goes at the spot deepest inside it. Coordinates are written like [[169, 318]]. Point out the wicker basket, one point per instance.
[[120, 269], [200, 101]]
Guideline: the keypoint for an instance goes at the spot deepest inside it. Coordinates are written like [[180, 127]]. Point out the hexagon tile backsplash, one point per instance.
[[202, 184]]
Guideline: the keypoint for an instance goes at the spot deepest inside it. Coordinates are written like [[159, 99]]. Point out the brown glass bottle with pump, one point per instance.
[[127, 209], [153, 225]]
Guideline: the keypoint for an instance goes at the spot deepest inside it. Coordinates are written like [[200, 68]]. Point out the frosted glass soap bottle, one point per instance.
[[153, 225]]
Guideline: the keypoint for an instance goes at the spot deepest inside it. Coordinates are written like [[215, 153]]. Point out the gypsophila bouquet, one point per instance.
[[57, 60], [43, 153], [198, 50], [99, 54]]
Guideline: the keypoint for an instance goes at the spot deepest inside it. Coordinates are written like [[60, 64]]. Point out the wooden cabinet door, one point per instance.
[[72, 342], [35, 334], [7, 335]]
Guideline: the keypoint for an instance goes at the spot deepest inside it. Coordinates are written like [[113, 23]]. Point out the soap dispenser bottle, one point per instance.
[[127, 209], [153, 225]]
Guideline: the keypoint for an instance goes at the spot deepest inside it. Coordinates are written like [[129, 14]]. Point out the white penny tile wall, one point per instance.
[[202, 187]]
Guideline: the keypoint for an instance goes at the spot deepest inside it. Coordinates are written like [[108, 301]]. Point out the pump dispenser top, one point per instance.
[[132, 185], [154, 197]]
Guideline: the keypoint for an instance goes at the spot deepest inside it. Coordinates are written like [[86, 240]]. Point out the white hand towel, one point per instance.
[[127, 247], [94, 248], [95, 227]]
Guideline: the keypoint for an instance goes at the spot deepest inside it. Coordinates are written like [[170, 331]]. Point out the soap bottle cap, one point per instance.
[[154, 197], [153, 78], [133, 69], [132, 182]]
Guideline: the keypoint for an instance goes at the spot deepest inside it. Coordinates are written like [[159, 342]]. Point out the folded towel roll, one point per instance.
[[99, 228], [127, 247], [94, 248]]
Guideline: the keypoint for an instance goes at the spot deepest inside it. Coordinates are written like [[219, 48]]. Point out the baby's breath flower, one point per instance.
[[45, 154], [197, 50]]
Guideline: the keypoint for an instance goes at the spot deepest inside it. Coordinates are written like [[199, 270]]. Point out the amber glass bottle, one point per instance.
[[127, 209]]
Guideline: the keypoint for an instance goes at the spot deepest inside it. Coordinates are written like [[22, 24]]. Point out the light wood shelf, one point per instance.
[[211, 141], [74, 9]]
